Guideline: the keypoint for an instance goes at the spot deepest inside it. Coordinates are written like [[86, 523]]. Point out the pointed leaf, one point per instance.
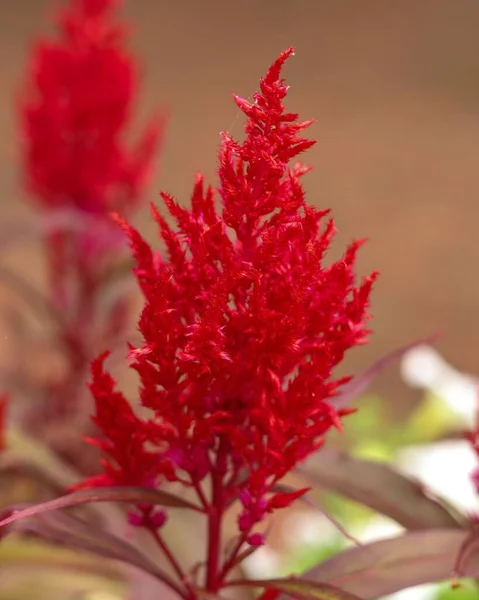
[[134, 495], [392, 565], [28, 456], [74, 533], [380, 487], [360, 384], [299, 588], [468, 549], [77, 534]]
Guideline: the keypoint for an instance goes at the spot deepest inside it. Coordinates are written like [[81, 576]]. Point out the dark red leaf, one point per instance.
[[134, 495], [468, 549], [392, 565], [380, 487], [72, 532]]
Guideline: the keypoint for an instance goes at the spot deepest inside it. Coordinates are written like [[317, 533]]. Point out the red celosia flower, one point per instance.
[[243, 325], [75, 110]]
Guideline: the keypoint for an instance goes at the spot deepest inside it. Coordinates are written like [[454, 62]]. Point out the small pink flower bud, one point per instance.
[[256, 539]]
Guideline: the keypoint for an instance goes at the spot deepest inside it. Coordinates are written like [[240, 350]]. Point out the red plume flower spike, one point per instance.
[[242, 325], [75, 110]]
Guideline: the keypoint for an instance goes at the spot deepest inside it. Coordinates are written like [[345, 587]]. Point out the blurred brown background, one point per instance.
[[395, 90]]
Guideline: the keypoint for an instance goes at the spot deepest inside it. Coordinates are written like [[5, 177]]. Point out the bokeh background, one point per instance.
[[395, 90], [394, 86]]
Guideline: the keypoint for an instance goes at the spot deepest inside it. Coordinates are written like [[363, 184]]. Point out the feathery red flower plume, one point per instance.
[[74, 111], [243, 324]]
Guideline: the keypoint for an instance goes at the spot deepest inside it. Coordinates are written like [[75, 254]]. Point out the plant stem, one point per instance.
[[215, 516], [169, 556], [200, 494], [232, 557]]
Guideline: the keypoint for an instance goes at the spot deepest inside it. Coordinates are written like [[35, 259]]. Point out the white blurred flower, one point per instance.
[[427, 591], [378, 528], [424, 368], [307, 528], [444, 468]]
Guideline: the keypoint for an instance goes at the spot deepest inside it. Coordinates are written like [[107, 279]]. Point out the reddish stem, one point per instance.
[[233, 555], [200, 494], [188, 593], [215, 516], [168, 554]]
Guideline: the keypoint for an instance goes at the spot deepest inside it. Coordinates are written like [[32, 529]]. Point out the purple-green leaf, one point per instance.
[[134, 495], [74, 533], [299, 588], [469, 548], [381, 488], [360, 384], [395, 564]]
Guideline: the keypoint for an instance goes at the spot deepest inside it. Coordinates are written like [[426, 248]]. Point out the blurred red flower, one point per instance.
[[75, 109]]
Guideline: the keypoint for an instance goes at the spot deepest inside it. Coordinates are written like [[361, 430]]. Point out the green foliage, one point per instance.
[[432, 419], [469, 590], [373, 433], [312, 554]]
